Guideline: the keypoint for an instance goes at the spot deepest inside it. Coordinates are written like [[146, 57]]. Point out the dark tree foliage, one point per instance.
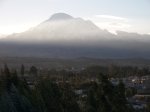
[[130, 91], [107, 98], [33, 70], [7, 77], [22, 70], [92, 104], [18, 94], [69, 102], [50, 94], [12, 99]]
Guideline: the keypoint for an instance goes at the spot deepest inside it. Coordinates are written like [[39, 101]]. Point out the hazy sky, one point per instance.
[[126, 15]]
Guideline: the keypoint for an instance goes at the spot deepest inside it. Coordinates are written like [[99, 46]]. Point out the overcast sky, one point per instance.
[[125, 15]]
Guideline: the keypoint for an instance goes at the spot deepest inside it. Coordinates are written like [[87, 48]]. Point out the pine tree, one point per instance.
[[22, 70], [7, 77], [33, 71]]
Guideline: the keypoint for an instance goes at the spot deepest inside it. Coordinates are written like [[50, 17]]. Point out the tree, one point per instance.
[[14, 78], [22, 70], [69, 102], [130, 91], [91, 101], [33, 70], [6, 77], [50, 94], [119, 100], [13, 101]]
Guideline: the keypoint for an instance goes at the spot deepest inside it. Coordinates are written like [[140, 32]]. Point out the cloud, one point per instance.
[[111, 17], [119, 25], [111, 23]]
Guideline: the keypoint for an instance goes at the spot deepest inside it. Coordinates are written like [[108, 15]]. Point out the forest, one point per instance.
[[31, 91]]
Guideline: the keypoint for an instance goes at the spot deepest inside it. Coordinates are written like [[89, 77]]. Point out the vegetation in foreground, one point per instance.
[[17, 94]]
